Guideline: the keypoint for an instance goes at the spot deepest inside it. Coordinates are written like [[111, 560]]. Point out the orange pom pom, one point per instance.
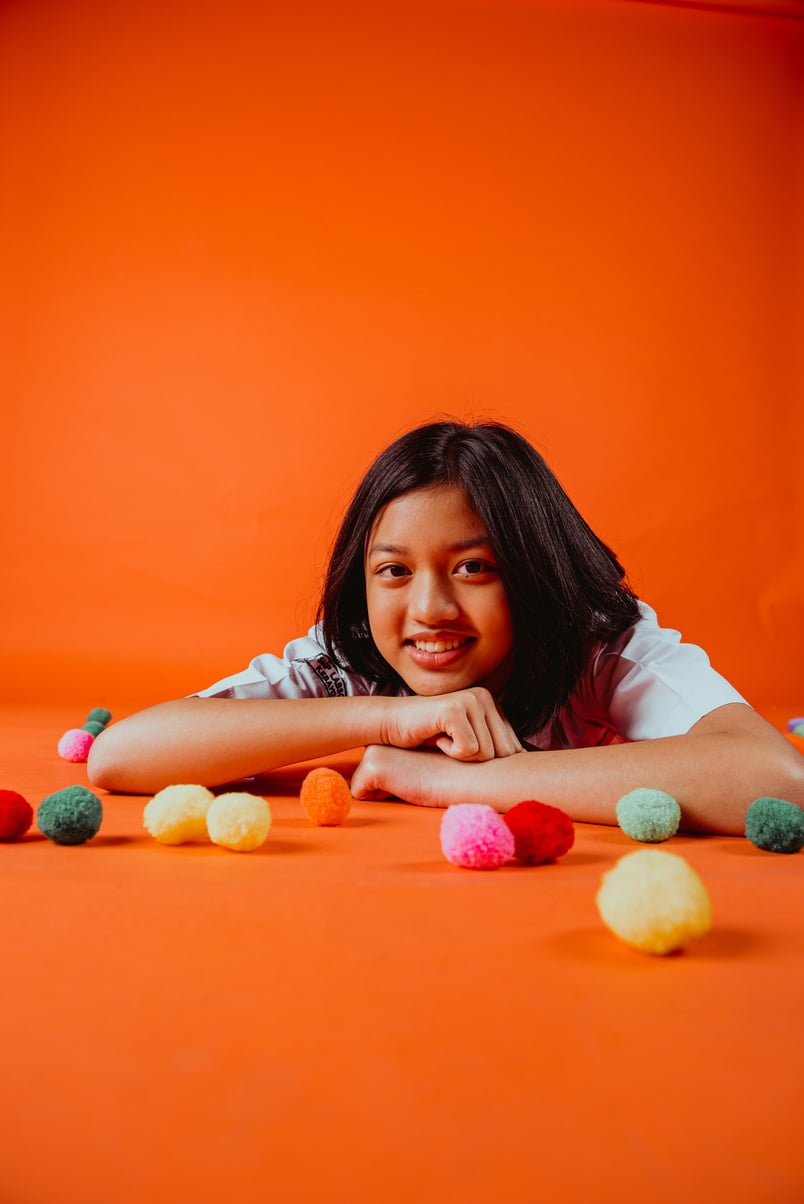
[[325, 797]]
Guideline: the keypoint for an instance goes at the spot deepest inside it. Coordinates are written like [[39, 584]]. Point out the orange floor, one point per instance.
[[343, 1016]]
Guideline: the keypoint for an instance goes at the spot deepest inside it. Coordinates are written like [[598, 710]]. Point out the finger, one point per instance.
[[467, 739], [506, 741]]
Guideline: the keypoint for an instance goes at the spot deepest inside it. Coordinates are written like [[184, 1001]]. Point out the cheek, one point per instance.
[[380, 609]]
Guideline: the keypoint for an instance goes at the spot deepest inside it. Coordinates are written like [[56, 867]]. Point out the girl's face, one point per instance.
[[437, 608]]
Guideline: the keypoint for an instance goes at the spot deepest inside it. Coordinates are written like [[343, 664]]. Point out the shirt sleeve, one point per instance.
[[652, 684], [305, 670]]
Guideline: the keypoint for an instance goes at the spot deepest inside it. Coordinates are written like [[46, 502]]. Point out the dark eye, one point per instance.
[[392, 570], [475, 568]]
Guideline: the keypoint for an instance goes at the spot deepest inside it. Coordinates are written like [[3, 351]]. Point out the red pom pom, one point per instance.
[[541, 832], [16, 815]]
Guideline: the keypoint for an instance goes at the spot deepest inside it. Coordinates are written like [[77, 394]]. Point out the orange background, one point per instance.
[[245, 244]]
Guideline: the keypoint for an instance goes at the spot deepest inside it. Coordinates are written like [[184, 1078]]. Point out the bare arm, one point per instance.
[[210, 741], [729, 758]]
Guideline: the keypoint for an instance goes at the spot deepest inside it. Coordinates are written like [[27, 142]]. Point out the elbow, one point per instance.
[[107, 767], [793, 780]]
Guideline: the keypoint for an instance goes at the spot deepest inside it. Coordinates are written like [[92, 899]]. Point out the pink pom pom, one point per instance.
[[75, 744], [473, 835]]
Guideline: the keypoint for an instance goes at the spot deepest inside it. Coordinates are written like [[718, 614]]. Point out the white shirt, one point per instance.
[[644, 684]]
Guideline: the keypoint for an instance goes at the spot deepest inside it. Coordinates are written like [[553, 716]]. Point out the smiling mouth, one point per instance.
[[438, 645]]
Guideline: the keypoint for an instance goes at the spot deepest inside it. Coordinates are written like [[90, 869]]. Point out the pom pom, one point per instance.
[[474, 836], [775, 825], [178, 814], [654, 901], [16, 815], [792, 724], [239, 821], [798, 729], [75, 744], [99, 715], [541, 833], [648, 815], [325, 797], [93, 727], [70, 816]]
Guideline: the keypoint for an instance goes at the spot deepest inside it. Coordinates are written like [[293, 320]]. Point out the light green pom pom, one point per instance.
[[649, 816]]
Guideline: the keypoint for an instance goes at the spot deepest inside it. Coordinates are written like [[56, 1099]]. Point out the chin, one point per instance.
[[430, 689]]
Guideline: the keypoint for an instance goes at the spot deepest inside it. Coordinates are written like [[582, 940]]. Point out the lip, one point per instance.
[[438, 660]]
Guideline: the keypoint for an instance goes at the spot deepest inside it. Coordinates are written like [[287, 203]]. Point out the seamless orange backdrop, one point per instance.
[[245, 244]]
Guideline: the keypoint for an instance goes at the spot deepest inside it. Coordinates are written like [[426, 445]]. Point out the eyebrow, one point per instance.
[[462, 545]]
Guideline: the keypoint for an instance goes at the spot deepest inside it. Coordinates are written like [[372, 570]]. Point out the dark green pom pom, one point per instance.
[[93, 726], [70, 816], [99, 715], [775, 825]]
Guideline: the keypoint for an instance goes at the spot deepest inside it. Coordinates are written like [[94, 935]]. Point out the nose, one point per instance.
[[432, 599]]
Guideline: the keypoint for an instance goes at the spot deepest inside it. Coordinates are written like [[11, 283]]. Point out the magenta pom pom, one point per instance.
[[75, 744], [474, 836]]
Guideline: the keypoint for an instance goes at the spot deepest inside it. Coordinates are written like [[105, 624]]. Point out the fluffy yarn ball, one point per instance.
[[325, 797], [239, 821], [16, 815], [70, 816], [178, 814], [541, 832], [775, 825], [654, 901], [648, 815], [100, 715], [93, 726], [75, 744], [474, 836], [798, 721]]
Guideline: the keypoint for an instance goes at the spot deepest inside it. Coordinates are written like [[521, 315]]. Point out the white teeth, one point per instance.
[[437, 645]]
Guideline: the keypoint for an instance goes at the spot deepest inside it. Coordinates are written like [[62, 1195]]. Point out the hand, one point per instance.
[[412, 775], [466, 725]]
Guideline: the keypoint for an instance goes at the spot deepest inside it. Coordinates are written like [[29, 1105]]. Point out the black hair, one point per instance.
[[565, 587]]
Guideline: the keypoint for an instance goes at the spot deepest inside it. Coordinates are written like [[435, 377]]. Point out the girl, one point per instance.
[[480, 642]]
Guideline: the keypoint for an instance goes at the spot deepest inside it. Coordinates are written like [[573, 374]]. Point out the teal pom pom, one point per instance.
[[775, 825], [70, 816], [93, 726], [648, 815], [99, 715]]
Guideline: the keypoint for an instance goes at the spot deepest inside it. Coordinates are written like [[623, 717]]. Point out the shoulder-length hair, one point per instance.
[[565, 587]]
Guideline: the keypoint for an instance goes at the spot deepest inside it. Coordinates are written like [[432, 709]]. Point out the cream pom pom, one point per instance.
[[239, 821], [178, 814], [654, 901]]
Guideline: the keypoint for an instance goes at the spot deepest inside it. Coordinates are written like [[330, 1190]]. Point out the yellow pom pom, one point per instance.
[[178, 814], [654, 901], [325, 797], [239, 821]]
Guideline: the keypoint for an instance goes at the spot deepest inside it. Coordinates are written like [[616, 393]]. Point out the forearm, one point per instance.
[[588, 782], [715, 772], [211, 741]]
